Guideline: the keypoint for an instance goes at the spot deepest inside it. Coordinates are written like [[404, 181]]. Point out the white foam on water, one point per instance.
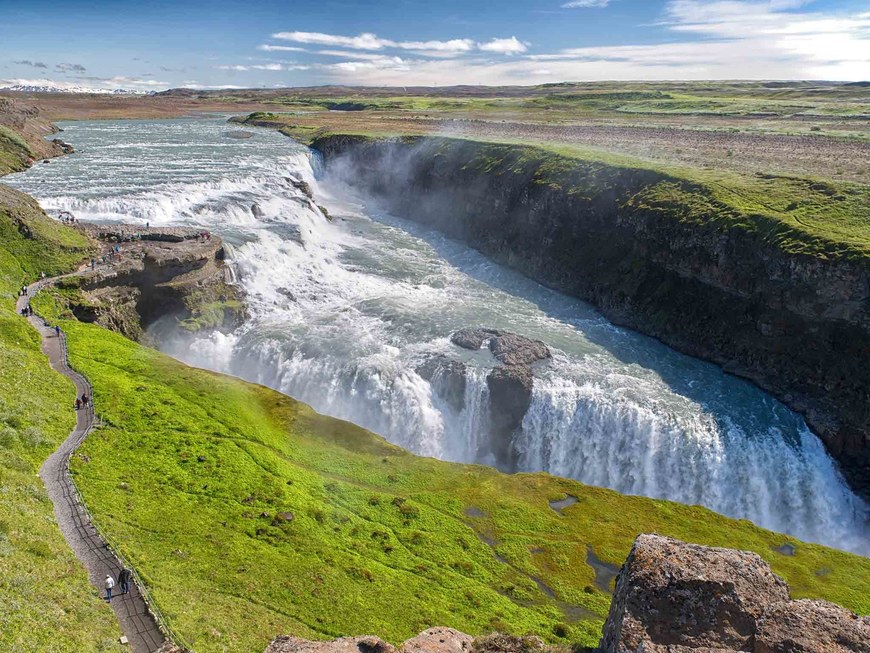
[[344, 313]]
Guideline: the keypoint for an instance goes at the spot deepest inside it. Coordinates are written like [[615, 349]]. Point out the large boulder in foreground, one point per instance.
[[673, 597], [673, 593]]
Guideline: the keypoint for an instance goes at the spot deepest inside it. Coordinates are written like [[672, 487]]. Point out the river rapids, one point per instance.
[[343, 313]]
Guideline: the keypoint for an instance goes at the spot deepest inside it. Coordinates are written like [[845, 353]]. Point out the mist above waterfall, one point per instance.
[[344, 313]]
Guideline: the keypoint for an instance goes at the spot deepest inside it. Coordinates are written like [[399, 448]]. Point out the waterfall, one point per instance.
[[345, 314]]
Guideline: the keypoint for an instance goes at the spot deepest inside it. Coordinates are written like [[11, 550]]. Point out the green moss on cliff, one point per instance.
[[14, 151]]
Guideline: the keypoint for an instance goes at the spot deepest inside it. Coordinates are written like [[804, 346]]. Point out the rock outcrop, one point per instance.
[[447, 377], [509, 385], [809, 626], [508, 348], [627, 240], [673, 597], [161, 273]]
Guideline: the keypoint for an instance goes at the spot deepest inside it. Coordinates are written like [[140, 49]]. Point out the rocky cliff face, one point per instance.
[[650, 252], [171, 273]]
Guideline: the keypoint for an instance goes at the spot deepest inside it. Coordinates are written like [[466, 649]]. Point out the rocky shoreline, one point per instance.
[[796, 325]]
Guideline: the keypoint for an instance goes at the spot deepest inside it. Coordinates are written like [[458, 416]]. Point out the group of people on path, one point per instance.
[[125, 577], [83, 401]]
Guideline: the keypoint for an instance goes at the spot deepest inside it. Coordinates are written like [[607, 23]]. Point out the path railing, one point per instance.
[[154, 609]]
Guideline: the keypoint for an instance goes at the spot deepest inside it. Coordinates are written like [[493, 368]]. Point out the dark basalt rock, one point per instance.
[[510, 393], [447, 377], [510, 385], [65, 148], [508, 348], [302, 186]]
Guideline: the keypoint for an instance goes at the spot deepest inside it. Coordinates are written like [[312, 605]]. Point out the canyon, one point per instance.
[[653, 252]]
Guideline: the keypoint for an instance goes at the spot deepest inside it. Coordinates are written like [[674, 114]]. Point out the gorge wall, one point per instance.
[[653, 252]]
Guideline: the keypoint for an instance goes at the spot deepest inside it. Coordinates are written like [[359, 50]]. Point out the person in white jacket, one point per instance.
[[110, 583]]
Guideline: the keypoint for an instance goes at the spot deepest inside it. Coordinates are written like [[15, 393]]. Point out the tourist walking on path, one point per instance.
[[57, 330], [133, 614], [78, 404], [124, 580]]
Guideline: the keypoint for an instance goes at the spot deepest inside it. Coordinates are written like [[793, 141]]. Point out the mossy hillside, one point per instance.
[[14, 151], [822, 219], [46, 602], [195, 475]]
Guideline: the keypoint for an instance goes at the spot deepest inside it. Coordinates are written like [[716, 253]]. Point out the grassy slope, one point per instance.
[[823, 219], [14, 151], [191, 469], [46, 602]]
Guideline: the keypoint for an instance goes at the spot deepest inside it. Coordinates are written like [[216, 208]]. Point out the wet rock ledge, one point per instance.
[[176, 274], [509, 384], [671, 597]]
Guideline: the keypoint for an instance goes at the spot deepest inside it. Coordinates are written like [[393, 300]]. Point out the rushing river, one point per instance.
[[343, 313]]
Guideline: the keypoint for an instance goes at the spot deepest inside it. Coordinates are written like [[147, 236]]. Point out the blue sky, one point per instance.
[[157, 44]]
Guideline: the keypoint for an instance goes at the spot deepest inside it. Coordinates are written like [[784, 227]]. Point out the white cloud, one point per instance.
[[131, 82], [369, 41], [273, 67], [585, 4], [453, 45], [504, 46], [267, 47], [714, 39], [364, 41]]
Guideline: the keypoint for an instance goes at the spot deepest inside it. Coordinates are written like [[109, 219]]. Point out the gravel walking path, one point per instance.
[[137, 623]]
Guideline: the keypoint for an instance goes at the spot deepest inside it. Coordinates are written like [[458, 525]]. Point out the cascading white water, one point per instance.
[[344, 313]]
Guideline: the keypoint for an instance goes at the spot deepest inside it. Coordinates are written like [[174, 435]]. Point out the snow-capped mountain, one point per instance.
[[19, 88]]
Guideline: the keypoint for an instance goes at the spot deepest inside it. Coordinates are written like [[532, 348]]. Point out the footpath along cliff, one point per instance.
[[657, 253]]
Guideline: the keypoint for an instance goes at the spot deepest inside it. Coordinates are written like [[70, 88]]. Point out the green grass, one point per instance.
[[191, 469], [14, 151], [823, 219], [46, 602]]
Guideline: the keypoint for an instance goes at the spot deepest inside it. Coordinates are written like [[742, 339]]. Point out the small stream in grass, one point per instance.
[[344, 313]]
